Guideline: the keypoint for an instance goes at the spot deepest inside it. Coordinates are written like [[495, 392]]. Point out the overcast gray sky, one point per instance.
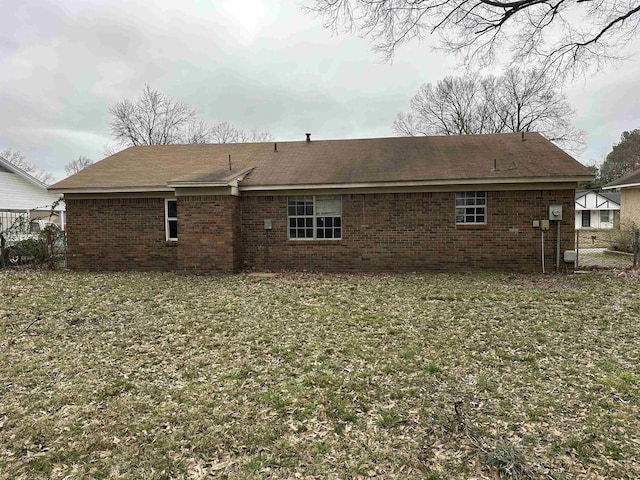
[[262, 64]]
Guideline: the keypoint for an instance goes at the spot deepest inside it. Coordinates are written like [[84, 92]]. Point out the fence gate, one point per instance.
[[607, 248]]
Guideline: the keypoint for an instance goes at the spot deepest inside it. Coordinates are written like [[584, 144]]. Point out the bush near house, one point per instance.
[[39, 242], [318, 376]]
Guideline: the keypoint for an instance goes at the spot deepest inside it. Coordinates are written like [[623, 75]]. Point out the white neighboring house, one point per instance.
[[597, 209], [21, 194]]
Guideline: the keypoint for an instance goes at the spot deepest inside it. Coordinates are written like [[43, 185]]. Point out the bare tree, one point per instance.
[[568, 36], [514, 102], [225, 132], [453, 106], [17, 159], [152, 119], [74, 166], [156, 119]]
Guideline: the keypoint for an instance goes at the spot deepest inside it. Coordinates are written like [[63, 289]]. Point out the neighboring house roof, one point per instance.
[[21, 191], [6, 165], [590, 200], [628, 181], [612, 196], [498, 158]]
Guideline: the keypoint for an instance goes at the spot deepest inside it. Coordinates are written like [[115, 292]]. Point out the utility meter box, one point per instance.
[[267, 224], [555, 212]]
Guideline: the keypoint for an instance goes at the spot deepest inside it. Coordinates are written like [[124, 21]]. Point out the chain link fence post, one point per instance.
[[577, 264], [636, 247]]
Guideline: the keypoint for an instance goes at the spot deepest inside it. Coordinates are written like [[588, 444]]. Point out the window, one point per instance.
[[315, 217], [586, 218], [604, 216], [471, 207], [171, 219]]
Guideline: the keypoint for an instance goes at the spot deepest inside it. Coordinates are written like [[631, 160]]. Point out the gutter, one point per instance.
[[426, 183], [236, 184], [626, 185]]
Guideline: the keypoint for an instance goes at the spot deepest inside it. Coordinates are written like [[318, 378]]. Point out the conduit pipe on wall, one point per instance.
[[558, 248], [542, 251]]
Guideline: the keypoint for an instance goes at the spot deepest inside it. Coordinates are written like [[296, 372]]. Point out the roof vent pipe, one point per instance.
[[523, 135], [308, 137], [275, 147]]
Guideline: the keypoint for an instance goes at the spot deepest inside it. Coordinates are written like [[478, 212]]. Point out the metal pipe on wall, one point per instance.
[[558, 247]]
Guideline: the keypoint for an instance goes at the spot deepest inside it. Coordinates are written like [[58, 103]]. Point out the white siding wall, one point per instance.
[[595, 219], [595, 204], [17, 193]]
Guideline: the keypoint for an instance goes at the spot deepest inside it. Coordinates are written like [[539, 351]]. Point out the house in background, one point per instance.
[[454, 203], [597, 209], [21, 194], [629, 187]]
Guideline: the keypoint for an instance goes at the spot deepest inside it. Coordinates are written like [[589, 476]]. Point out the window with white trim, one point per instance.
[[171, 219], [314, 217], [604, 216], [471, 208]]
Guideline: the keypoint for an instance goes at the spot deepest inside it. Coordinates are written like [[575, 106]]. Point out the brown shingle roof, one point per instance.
[[397, 159], [631, 179]]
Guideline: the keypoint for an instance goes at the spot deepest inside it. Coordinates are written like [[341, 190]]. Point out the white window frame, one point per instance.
[[476, 201], [168, 219], [315, 217], [608, 213]]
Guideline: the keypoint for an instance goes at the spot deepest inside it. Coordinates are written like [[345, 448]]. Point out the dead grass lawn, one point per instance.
[[318, 376]]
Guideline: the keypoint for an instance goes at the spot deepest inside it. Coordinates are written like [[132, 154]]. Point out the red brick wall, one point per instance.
[[118, 234], [208, 234], [411, 231], [394, 232]]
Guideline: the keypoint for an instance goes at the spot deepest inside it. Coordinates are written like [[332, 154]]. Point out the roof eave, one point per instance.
[[173, 185], [124, 189], [426, 183], [626, 185], [18, 171]]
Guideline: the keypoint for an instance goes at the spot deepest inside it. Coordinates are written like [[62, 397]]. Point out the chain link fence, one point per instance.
[[607, 248]]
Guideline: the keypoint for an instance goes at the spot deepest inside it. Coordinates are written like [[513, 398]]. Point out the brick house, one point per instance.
[[629, 187], [452, 203]]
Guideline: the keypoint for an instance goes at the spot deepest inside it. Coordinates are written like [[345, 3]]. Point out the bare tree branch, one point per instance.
[[517, 101], [564, 37], [156, 119], [75, 166], [17, 159]]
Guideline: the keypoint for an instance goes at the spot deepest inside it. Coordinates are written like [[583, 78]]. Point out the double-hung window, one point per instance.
[[315, 217], [471, 208], [171, 219]]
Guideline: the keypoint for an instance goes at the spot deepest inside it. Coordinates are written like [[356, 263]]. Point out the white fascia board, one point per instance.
[[628, 185], [426, 183], [173, 185], [162, 188]]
